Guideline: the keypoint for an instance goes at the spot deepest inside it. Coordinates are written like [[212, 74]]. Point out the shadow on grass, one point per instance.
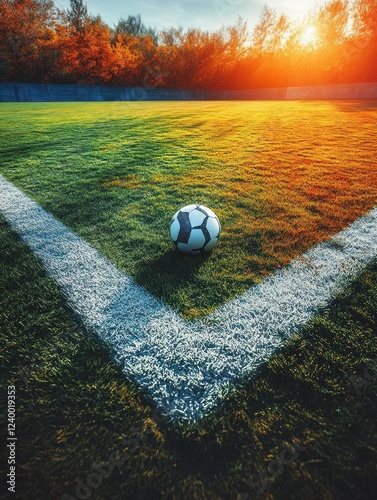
[[174, 272], [75, 406], [355, 105], [305, 393]]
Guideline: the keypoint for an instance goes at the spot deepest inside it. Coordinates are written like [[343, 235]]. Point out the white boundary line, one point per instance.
[[186, 366]]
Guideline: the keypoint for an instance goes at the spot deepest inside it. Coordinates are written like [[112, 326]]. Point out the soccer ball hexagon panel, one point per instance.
[[195, 229]]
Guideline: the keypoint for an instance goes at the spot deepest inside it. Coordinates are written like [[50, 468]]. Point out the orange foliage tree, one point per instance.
[[40, 43], [29, 43], [87, 56], [365, 39]]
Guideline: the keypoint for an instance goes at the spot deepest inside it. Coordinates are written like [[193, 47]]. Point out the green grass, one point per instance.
[[75, 408], [281, 176]]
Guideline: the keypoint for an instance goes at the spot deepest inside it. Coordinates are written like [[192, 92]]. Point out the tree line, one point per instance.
[[336, 42]]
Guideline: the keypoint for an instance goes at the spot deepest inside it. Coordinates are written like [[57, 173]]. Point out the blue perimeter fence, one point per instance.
[[38, 92]]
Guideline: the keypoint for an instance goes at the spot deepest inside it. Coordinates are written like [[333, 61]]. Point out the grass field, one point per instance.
[[281, 176], [75, 408]]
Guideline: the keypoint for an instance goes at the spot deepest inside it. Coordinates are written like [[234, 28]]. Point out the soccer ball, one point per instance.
[[195, 229]]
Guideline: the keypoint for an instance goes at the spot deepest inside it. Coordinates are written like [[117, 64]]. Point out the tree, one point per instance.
[[77, 14], [365, 37], [88, 56], [268, 50], [134, 26], [262, 30], [331, 23], [270, 33], [28, 39], [237, 36], [365, 18], [193, 59]]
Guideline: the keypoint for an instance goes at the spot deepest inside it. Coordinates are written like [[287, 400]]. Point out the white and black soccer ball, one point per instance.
[[195, 229]]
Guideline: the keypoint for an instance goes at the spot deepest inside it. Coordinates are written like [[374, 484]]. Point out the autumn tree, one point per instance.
[[267, 49], [77, 15], [135, 58], [234, 57], [136, 46], [365, 37], [87, 56], [39, 43], [330, 22], [269, 34], [192, 58], [134, 26], [28, 39]]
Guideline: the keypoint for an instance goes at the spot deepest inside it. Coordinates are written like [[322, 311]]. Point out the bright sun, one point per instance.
[[309, 35]]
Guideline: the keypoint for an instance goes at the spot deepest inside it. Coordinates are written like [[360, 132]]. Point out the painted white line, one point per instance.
[[187, 366]]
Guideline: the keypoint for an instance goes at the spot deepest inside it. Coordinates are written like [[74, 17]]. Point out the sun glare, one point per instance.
[[309, 35]]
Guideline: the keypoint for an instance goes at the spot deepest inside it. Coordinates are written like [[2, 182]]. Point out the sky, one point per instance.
[[204, 14]]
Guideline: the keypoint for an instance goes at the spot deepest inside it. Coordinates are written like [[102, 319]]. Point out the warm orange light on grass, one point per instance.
[[281, 176], [309, 35]]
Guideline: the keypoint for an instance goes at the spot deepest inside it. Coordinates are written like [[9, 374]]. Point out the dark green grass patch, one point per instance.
[[281, 176], [304, 427]]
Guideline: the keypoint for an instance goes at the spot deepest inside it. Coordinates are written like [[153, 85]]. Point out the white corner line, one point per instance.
[[187, 366]]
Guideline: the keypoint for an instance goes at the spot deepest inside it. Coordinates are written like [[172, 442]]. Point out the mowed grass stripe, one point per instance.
[[282, 176], [187, 366]]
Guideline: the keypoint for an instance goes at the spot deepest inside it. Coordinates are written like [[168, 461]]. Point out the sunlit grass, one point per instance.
[[281, 176], [75, 407]]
